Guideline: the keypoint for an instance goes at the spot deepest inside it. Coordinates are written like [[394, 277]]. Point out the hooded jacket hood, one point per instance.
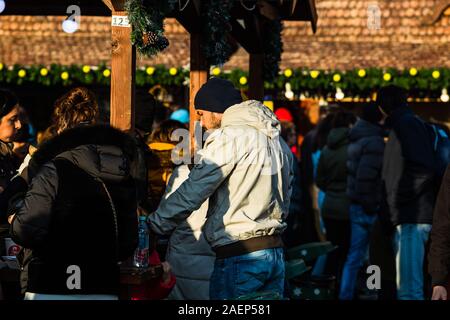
[[254, 114], [337, 138], [364, 129], [100, 150], [105, 162]]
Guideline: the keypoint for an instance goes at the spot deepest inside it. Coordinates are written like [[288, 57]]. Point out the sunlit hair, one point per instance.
[[77, 106], [45, 135], [165, 130]]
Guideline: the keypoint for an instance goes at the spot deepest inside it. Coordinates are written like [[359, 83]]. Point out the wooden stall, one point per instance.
[[248, 23]]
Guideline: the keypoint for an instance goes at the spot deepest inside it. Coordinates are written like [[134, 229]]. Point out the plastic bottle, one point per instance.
[[142, 251]]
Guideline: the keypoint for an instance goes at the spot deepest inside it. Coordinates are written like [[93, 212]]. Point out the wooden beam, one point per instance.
[[198, 6], [247, 39], [256, 65], [293, 5], [437, 13], [109, 4], [268, 10], [286, 8], [53, 8], [254, 27], [123, 72], [199, 74], [116, 5], [305, 10], [188, 18], [256, 77]]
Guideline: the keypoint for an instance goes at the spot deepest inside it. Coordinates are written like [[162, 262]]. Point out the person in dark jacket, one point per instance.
[[78, 217], [311, 148], [308, 232], [10, 125], [291, 236], [365, 159], [409, 184], [318, 196], [439, 255], [332, 179]]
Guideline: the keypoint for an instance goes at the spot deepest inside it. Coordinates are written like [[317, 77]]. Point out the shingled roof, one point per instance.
[[413, 33]]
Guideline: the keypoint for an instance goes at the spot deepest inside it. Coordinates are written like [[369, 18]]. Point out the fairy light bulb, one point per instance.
[[444, 96], [288, 92], [339, 94], [69, 26], [2, 6]]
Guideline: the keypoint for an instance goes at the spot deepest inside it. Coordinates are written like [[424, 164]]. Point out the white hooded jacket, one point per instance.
[[246, 171]]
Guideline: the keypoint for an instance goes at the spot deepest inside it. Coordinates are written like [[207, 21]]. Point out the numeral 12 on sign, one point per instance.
[[120, 21]]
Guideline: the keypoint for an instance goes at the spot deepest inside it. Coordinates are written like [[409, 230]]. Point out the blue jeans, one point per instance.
[[261, 270], [361, 226], [409, 245]]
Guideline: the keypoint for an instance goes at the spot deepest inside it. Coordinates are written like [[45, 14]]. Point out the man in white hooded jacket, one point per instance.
[[245, 170]]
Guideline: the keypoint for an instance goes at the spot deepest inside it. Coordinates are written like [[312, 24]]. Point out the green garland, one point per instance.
[[54, 75], [147, 20], [421, 83], [273, 47], [216, 25]]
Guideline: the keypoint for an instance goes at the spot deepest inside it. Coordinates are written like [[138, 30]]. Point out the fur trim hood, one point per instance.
[[100, 150]]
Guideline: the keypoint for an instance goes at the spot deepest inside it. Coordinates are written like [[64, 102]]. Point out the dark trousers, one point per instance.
[[382, 255], [338, 233]]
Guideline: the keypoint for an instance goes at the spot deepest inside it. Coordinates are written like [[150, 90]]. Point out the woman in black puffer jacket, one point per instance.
[[80, 208]]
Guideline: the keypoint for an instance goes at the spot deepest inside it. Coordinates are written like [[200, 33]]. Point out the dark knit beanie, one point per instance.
[[392, 97], [371, 113], [216, 95]]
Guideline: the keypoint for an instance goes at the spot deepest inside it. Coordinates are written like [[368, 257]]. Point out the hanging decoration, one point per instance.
[[147, 21], [216, 17], [273, 47]]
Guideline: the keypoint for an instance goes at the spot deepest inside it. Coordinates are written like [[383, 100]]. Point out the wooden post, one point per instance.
[[199, 74], [123, 68], [256, 81]]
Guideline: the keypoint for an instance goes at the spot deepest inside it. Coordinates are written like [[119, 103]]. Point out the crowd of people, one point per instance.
[[371, 185]]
